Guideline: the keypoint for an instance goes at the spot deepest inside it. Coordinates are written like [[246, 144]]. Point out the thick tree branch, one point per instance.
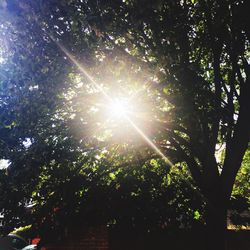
[[238, 145], [189, 159], [218, 91]]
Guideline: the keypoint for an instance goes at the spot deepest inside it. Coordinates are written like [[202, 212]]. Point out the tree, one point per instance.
[[197, 55], [201, 50], [28, 100], [43, 122]]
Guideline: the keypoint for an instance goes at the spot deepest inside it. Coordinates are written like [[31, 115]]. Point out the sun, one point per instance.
[[119, 108]]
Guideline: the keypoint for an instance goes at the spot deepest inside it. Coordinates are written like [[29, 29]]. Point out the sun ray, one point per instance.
[[149, 142]]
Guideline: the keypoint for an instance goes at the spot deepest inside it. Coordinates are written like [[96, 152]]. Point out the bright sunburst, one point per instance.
[[116, 107], [119, 108]]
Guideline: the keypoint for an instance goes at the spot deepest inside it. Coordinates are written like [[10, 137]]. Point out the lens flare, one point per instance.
[[149, 142], [117, 107]]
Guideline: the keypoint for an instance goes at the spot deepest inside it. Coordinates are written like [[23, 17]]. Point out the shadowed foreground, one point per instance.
[[101, 239]]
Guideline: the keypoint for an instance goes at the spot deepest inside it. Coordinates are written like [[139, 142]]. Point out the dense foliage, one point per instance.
[[185, 65], [64, 163]]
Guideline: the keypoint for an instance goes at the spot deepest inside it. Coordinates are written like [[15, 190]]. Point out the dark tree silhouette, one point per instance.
[[198, 53]]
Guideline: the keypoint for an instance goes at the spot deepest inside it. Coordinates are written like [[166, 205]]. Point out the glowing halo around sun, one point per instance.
[[116, 105]]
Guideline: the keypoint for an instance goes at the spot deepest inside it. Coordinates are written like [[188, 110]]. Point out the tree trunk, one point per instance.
[[216, 228]]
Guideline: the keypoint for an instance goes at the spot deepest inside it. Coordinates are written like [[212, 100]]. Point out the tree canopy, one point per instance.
[[184, 65]]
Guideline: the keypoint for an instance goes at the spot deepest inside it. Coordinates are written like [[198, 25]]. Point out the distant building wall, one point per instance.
[[95, 238], [100, 238]]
